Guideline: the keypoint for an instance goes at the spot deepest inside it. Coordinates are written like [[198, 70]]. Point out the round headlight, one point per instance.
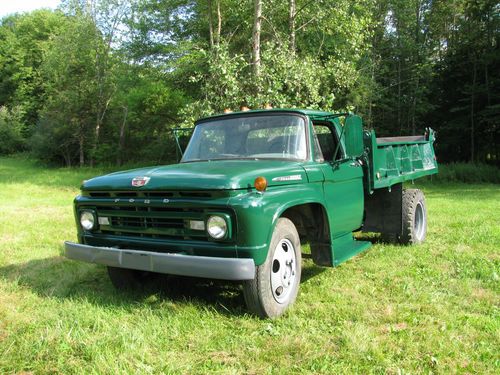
[[216, 227], [87, 220]]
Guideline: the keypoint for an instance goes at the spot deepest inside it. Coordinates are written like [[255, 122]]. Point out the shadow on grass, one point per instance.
[[377, 238], [309, 269], [58, 277]]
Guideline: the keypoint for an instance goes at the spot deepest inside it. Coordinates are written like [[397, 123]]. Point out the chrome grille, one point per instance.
[[151, 222]]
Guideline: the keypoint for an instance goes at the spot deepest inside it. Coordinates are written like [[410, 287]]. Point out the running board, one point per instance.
[[345, 247]]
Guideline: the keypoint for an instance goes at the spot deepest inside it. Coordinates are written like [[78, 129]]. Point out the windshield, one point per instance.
[[251, 137]]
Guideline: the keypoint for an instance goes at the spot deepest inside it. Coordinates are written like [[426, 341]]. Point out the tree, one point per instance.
[[11, 127], [23, 42], [99, 79], [106, 16], [69, 69]]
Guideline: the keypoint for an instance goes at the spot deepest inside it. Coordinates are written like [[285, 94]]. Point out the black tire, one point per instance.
[[390, 238], [127, 279], [263, 295], [414, 217]]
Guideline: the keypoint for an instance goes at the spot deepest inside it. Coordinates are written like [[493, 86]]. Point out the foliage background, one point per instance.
[[104, 81]]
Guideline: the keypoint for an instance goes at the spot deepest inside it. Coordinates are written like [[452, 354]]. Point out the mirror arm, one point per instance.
[[338, 144], [177, 142]]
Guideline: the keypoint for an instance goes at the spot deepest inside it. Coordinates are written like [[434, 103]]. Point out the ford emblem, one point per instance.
[[140, 181]]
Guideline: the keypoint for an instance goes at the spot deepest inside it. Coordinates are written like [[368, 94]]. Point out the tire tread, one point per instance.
[[411, 197]]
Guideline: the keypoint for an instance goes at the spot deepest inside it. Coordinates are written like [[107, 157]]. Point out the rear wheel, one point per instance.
[[390, 238], [414, 217], [126, 279], [277, 281]]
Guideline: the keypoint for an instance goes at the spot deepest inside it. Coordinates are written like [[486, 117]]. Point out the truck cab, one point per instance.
[[252, 188]]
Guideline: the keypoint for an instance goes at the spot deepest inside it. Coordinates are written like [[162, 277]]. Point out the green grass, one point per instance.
[[424, 309]]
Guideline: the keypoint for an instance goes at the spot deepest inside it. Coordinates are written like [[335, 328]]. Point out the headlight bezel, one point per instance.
[[92, 218], [223, 224]]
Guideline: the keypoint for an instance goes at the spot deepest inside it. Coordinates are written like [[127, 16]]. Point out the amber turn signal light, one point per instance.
[[260, 183]]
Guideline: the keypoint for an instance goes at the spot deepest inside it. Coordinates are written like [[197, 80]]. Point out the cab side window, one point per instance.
[[327, 141]]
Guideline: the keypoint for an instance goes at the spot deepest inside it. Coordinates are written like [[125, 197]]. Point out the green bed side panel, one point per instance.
[[400, 160]]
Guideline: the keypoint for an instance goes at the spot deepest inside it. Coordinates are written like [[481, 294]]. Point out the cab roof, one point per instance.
[[312, 113]]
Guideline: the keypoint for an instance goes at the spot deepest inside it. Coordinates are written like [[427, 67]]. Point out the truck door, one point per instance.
[[343, 185]]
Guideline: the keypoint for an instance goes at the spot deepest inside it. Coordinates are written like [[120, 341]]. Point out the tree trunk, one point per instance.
[[219, 24], [256, 38], [291, 23], [399, 57], [122, 136], [210, 27], [472, 124], [99, 79], [101, 73], [67, 157], [101, 112], [370, 104], [416, 60], [487, 83], [96, 141], [399, 93], [486, 60], [414, 109], [81, 149]]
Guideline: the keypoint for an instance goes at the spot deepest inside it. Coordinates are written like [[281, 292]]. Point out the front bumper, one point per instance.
[[174, 264]]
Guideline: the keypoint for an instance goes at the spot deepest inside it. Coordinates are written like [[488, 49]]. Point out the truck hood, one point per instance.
[[207, 175]]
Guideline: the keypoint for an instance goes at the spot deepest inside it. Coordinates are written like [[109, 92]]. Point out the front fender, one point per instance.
[[257, 214]]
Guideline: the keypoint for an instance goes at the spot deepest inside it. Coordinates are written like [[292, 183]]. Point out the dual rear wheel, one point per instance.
[[414, 228], [414, 219]]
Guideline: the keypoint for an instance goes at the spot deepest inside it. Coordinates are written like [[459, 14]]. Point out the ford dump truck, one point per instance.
[[250, 190]]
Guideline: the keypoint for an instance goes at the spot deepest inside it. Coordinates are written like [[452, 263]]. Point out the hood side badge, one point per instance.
[[295, 177]]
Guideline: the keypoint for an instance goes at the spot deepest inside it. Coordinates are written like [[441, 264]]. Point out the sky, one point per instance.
[[14, 6]]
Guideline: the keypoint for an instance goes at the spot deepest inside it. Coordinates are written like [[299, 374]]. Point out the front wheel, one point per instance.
[[277, 281]]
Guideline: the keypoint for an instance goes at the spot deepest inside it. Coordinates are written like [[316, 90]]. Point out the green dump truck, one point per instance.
[[250, 190]]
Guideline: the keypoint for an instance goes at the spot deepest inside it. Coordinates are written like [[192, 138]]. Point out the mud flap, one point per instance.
[[383, 210]]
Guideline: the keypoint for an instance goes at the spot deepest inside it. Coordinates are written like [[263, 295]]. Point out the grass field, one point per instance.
[[432, 308]]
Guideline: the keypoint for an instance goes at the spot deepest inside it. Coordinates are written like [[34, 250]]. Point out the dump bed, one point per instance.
[[397, 159]]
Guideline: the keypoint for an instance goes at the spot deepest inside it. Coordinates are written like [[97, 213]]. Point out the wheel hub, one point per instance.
[[419, 226], [283, 273]]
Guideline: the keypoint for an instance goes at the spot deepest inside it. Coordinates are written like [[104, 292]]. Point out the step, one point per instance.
[[345, 247]]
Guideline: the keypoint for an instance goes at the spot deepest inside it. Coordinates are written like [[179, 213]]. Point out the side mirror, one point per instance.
[[353, 136]]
